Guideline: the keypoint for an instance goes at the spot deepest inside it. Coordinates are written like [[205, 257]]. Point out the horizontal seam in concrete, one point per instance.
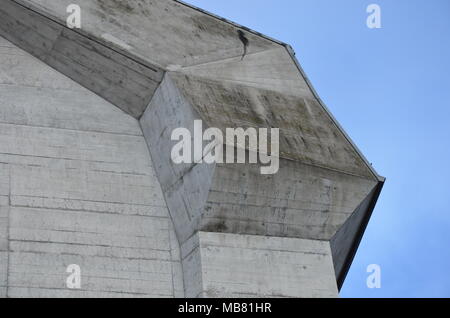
[[89, 291], [72, 129], [270, 236], [52, 158], [261, 221], [159, 259], [107, 277], [318, 211], [80, 90], [91, 201], [77, 244]]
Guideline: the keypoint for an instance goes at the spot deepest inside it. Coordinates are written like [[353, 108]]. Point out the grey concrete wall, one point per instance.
[[77, 186]]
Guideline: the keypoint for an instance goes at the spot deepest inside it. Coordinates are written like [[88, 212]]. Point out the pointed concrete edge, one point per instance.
[[346, 241]]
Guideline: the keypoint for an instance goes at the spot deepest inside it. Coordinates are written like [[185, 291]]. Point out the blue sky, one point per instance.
[[390, 90]]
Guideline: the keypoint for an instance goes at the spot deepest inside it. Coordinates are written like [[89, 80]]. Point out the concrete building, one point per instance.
[[86, 176]]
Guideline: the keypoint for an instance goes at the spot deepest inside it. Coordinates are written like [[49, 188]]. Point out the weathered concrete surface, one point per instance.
[[79, 176], [307, 134], [76, 187]]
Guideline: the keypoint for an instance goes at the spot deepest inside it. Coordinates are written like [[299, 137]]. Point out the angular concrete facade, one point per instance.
[[86, 178]]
